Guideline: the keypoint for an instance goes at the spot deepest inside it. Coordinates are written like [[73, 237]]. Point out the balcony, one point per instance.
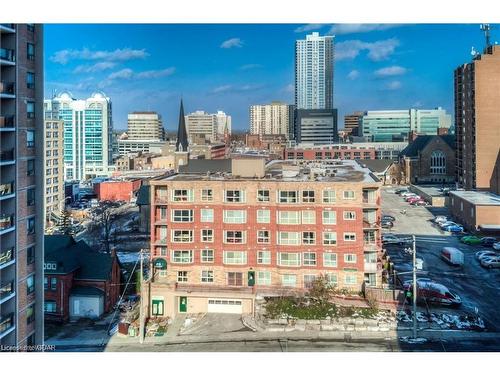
[[371, 246], [7, 123], [6, 223], [6, 324], [6, 257], [371, 267], [161, 200], [161, 241], [7, 190], [7, 90], [370, 224], [7, 157], [7, 28], [7, 56], [7, 291]]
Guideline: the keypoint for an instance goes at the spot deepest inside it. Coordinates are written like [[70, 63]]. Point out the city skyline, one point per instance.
[[230, 67]]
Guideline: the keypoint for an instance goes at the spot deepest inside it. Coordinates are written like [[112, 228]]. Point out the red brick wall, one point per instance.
[[336, 153], [117, 191], [60, 296]]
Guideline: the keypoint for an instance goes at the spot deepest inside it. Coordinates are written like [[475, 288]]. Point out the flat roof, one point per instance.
[[481, 198]]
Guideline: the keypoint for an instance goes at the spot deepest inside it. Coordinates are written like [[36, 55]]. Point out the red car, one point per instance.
[[419, 202], [409, 199]]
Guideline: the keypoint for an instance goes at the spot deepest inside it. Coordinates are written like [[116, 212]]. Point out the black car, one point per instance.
[[488, 241], [387, 224], [388, 218], [399, 191]]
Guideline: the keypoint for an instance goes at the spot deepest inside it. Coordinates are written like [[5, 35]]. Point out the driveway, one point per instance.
[[213, 324]]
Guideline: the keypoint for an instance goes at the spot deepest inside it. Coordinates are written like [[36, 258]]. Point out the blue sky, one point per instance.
[[231, 66]]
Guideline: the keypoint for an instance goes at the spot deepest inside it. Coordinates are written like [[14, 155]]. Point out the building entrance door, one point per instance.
[[183, 304]]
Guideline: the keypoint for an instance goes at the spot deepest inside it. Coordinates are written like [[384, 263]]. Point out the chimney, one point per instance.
[[412, 135], [442, 131]]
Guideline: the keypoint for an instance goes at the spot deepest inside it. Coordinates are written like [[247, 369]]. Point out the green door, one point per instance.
[[183, 304], [157, 307], [251, 278]]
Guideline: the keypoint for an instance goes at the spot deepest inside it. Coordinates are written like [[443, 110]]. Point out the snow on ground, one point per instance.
[[126, 257], [444, 320]]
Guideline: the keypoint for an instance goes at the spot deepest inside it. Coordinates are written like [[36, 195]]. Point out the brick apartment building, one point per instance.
[[220, 239], [117, 190], [343, 152]]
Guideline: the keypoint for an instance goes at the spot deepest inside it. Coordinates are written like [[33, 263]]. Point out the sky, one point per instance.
[[229, 67]]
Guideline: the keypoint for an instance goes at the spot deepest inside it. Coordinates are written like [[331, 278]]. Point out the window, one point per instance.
[[30, 80], [234, 196], [349, 194], [30, 51], [30, 167], [308, 196], [157, 306], [289, 259], [263, 196], [288, 238], [288, 217], [349, 236], [263, 216], [350, 258], [182, 195], [289, 280], [309, 259], [329, 260], [207, 276], [30, 225], [235, 278], [329, 217], [30, 109], [162, 251], [30, 284], [30, 314], [235, 236], [207, 256], [287, 196], [30, 27], [30, 255], [185, 236], [182, 216], [349, 215], [235, 216], [329, 196], [438, 162], [235, 257], [263, 257], [308, 238], [182, 256], [308, 217], [207, 195], [263, 278], [309, 280], [329, 238], [49, 307], [45, 283], [30, 138], [207, 215], [53, 283], [182, 276], [331, 279], [207, 235], [263, 236], [30, 197], [350, 279]]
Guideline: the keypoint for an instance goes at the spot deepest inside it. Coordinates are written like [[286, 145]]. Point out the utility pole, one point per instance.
[[414, 288], [141, 305]]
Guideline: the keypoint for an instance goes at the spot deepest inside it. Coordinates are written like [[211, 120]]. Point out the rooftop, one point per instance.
[[481, 198]]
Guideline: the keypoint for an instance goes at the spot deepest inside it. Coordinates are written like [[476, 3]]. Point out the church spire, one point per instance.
[[181, 144]]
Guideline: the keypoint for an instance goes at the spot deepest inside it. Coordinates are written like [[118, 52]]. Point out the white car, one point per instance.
[[446, 224], [408, 193], [440, 219], [392, 239], [491, 262], [496, 246], [485, 253]]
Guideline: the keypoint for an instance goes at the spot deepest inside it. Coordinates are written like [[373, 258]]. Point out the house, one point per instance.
[[78, 281]]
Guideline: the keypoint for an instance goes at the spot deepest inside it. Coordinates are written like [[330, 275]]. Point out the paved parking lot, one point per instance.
[[477, 287]]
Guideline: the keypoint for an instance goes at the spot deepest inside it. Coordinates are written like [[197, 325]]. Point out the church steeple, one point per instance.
[[181, 144]]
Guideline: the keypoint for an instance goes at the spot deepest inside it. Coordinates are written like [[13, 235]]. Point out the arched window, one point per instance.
[[438, 162]]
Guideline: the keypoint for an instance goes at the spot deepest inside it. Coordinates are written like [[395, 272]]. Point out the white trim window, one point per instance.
[[263, 236], [235, 257], [182, 276], [350, 258], [332, 279], [329, 238], [181, 256], [329, 260], [309, 280], [329, 196], [289, 217], [349, 215], [163, 213], [308, 196], [350, 278], [235, 236], [207, 195], [438, 162], [263, 257], [308, 238], [207, 215], [207, 235], [349, 194], [207, 255], [309, 259], [289, 280], [182, 216], [329, 217], [309, 217], [263, 216], [349, 236], [182, 236], [207, 276], [288, 196], [235, 278], [235, 216], [263, 278], [289, 259], [234, 196], [288, 238], [163, 233], [263, 195], [182, 195]]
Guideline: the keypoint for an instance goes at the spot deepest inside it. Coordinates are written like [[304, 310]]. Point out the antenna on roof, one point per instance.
[[486, 28]]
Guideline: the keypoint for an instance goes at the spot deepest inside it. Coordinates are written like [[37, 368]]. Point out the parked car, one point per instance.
[[412, 197], [440, 219], [420, 202], [388, 218], [470, 240], [410, 200], [408, 193], [452, 256], [429, 291], [454, 228], [491, 262], [394, 240], [485, 253], [496, 245], [401, 191], [488, 241], [387, 224]]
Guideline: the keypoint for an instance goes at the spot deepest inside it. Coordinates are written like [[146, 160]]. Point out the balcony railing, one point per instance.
[[7, 121], [161, 200], [7, 54], [6, 322], [6, 290], [7, 88], [6, 189], [6, 222], [7, 155], [212, 288], [370, 224], [6, 256]]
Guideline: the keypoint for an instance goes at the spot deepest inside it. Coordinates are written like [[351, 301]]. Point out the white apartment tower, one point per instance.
[[274, 118], [314, 57], [209, 126], [145, 125]]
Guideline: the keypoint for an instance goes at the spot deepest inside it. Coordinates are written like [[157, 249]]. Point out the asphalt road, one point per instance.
[[477, 286]]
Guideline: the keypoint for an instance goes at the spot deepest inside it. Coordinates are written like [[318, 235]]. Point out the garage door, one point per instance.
[[225, 306]]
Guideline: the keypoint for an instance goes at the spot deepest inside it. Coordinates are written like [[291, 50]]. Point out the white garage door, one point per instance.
[[225, 306]]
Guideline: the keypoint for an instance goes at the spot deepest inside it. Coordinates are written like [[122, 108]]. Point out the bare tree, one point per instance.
[[105, 223]]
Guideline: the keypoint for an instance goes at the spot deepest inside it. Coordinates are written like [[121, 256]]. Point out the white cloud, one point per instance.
[[127, 74], [250, 66], [391, 71], [122, 74], [156, 73], [97, 67], [220, 89], [353, 74], [309, 27], [64, 56], [393, 85], [233, 42], [290, 88], [354, 28], [377, 51], [232, 88]]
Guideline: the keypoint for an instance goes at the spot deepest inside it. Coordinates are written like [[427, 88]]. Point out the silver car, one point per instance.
[[490, 262]]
